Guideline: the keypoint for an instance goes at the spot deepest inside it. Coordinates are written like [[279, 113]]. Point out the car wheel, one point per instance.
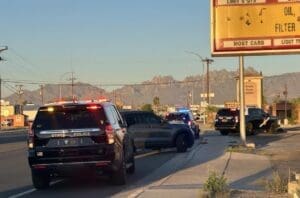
[[181, 143], [271, 128], [119, 176], [40, 180], [224, 132], [131, 169], [197, 134], [249, 128]]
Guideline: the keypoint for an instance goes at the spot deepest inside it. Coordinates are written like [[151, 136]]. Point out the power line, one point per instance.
[[101, 84], [24, 60], [11, 88]]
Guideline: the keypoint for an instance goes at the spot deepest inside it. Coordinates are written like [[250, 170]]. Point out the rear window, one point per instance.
[[228, 112], [55, 118], [177, 116]]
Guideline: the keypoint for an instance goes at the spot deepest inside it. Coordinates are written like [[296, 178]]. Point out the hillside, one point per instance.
[[169, 90]]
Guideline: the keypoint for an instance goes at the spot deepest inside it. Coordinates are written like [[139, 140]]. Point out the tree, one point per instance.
[[156, 101], [147, 107]]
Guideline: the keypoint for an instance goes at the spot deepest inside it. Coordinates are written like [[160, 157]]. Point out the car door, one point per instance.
[[159, 131], [138, 128], [255, 117], [123, 132]]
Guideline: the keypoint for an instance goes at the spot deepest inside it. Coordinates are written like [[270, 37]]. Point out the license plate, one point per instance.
[[224, 120], [64, 142], [70, 142]]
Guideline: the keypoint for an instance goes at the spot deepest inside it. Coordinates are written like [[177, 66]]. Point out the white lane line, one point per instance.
[[136, 194], [31, 190], [23, 193], [146, 154]]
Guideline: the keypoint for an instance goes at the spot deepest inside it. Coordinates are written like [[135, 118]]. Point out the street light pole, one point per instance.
[[207, 61]]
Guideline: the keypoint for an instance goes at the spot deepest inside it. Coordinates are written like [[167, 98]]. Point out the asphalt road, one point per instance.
[[15, 178]]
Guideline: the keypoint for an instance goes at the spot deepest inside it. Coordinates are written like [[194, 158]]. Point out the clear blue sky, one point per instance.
[[113, 41]]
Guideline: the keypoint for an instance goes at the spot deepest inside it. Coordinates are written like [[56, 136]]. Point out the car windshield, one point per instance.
[[69, 119]]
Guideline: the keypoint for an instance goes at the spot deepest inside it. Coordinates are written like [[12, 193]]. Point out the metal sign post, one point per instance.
[[242, 100]]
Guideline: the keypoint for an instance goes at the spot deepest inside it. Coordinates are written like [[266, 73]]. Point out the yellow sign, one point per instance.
[[255, 26]]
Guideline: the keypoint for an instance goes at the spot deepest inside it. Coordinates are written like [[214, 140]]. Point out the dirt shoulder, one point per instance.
[[283, 149]]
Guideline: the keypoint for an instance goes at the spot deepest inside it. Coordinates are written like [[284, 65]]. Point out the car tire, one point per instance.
[[119, 176], [131, 169], [272, 128], [197, 134], [40, 180], [224, 132], [181, 143], [250, 128]]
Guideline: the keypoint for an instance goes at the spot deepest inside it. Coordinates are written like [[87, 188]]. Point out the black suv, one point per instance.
[[227, 120], [69, 137], [185, 117], [151, 131]]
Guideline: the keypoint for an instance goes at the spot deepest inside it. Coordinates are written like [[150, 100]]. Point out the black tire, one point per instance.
[[181, 143], [197, 134], [250, 129], [40, 180], [272, 128], [224, 132], [119, 176], [131, 169]]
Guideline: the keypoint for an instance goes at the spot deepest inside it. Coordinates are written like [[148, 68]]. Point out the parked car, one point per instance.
[[185, 117], [151, 131], [73, 136], [227, 120]]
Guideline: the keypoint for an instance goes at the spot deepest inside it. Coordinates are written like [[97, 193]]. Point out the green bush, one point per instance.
[[215, 184], [277, 184], [147, 107]]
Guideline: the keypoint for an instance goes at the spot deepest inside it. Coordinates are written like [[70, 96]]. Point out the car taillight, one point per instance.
[[30, 137], [109, 131], [190, 123]]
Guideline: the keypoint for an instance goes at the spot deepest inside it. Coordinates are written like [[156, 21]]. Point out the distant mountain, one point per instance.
[[169, 90]]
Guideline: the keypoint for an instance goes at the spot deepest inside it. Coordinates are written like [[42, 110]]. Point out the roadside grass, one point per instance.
[[215, 186], [240, 149], [277, 184]]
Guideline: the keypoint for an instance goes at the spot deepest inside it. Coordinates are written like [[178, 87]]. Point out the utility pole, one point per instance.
[[72, 79], [2, 49], [207, 61], [42, 93], [20, 100]]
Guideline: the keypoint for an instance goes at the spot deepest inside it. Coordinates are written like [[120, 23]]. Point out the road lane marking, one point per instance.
[[139, 191], [23, 193], [146, 154], [31, 190]]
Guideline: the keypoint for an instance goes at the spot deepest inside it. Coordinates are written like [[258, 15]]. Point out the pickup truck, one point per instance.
[[227, 120]]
